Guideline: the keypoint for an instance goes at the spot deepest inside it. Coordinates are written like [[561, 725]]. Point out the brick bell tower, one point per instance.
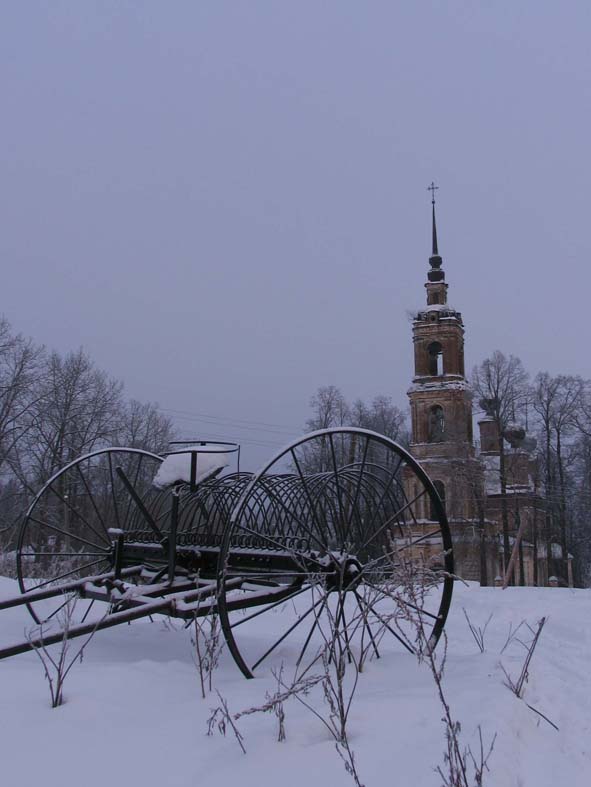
[[440, 400]]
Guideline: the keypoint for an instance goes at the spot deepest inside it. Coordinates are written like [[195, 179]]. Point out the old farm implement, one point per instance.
[[341, 529]]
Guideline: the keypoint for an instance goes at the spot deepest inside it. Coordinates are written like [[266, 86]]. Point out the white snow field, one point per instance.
[[134, 715]]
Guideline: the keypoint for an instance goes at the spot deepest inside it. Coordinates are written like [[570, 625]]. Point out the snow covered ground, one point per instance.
[[134, 714]]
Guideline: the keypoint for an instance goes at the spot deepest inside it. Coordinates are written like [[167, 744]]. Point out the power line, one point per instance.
[[239, 423], [207, 435]]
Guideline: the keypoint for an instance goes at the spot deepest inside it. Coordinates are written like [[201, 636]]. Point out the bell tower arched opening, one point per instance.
[[435, 350], [436, 424]]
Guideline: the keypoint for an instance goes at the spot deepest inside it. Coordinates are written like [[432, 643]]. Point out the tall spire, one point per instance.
[[433, 188], [435, 252], [435, 274]]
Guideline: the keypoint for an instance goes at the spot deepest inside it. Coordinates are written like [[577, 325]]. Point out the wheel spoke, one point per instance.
[[68, 574], [267, 608], [90, 606], [286, 634], [345, 630], [366, 624], [386, 625], [421, 538], [61, 606], [115, 506], [399, 600], [309, 637], [76, 512], [91, 498], [133, 483], [389, 521], [65, 533]]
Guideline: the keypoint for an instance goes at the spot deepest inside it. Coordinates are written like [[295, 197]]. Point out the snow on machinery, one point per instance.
[[341, 530]]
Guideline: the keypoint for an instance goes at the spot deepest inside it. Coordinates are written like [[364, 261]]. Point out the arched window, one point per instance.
[[440, 487], [435, 351], [436, 424]]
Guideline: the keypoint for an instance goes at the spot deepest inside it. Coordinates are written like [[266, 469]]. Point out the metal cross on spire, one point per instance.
[[432, 188]]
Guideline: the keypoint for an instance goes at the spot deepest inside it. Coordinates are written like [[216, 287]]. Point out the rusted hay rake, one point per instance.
[[340, 529]]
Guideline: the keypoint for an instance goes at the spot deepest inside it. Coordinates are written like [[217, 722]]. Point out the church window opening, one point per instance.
[[435, 351], [440, 487], [436, 424]]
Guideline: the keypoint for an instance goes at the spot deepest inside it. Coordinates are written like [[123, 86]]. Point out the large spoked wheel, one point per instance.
[[355, 551], [64, 535]]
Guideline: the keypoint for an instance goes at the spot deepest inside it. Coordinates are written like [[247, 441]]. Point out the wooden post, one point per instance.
[[514, 552]]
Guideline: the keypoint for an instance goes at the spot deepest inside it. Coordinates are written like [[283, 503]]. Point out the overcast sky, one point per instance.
[[225, 202]]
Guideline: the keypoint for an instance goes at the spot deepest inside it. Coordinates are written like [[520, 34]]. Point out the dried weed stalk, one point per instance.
[[58, 666]]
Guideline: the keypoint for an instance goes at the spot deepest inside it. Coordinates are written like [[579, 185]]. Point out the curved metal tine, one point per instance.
[[384, 493], [68, 574], [308, 495], [274, 497], [267, 608], [115, 507], [43, 523], [133, 483], [366, 624], [286, 634], [91, 498], [394, 516], [67, 503], [338, 488], [361, 471], [281, 546], [390, 629]]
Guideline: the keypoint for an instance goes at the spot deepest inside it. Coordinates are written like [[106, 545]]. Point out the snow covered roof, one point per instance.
[[444, 309], [438, 385]]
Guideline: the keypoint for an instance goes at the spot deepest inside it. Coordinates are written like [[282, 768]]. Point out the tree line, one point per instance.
[[54, 408]]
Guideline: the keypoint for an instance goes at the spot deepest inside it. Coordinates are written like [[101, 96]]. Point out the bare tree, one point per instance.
[[329, 408], [559, 403], [570, 398], [20, 362], [77, 409], [381, 416], [500, 383], [144, 426]]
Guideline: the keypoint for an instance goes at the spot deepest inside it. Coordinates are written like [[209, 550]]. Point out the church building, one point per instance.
[[467, 474]]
